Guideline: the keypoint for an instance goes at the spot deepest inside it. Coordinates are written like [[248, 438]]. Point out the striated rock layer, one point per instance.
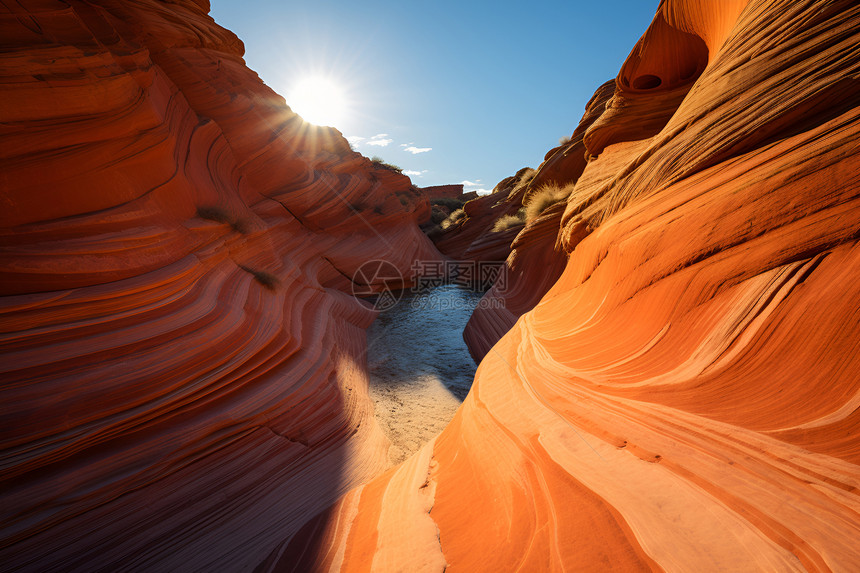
[[686, 396], [183, 376], [534, 264]]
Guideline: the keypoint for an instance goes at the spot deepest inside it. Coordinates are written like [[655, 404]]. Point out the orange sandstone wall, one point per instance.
[[535, 257], [182, 379], [685, 397]]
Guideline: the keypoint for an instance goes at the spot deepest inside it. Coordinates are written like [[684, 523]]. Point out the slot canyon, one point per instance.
[[665, 376]]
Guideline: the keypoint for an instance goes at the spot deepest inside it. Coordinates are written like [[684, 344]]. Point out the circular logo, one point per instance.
[[379, 281]]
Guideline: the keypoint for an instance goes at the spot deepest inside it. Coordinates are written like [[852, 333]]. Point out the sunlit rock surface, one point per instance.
[[536, 261], [686, 397], [183, 370]]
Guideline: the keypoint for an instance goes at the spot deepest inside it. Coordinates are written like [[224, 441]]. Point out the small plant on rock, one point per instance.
[[452, 218], [542, 199], [382, 163], [507, 222], [437, 215]]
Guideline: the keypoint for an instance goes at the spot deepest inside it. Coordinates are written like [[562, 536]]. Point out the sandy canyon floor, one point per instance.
[[420, 368]]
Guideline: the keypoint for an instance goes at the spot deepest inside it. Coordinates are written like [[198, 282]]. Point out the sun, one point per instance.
[[319, 100]]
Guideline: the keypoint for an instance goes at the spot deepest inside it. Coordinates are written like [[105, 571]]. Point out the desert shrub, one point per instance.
[[434, 232], [545, 196], [506, 222], [451, 204], [266, 279], [437, 215], [382, 163], [522, 179], [510, 185], [452, 218]]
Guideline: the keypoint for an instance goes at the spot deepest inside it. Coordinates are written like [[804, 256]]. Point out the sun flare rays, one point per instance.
[[319, 100]]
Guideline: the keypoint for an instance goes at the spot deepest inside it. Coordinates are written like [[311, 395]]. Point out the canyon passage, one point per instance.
[[667, 380], [420, 369]]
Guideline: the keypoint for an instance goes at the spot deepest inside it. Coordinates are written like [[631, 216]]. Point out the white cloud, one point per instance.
[[414, 173], [467, 183], [379, 141], [417, 150], [482, 191], [407, 144]]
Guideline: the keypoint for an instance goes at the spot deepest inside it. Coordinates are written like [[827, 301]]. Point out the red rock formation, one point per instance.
[[472, 238], [182, 366], [536, 259], [444, 191], [535, 263], [685, 397]]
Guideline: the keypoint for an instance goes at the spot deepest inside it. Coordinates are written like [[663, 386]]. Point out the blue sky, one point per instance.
[[449, 91]]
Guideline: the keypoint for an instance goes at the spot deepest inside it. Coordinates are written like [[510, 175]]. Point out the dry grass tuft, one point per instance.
[[506, 222], [382, 163], [523, 179], [542, 199], [437, 215], [452, 218]]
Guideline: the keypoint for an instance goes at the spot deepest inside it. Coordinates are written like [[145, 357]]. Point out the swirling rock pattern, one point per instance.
[[535, 263], [686, 396], [183, 372]]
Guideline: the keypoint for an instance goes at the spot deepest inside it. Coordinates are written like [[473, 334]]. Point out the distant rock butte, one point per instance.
[[183, 365], [472, 238], [685, 397], [454, 191], [671, 385]]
